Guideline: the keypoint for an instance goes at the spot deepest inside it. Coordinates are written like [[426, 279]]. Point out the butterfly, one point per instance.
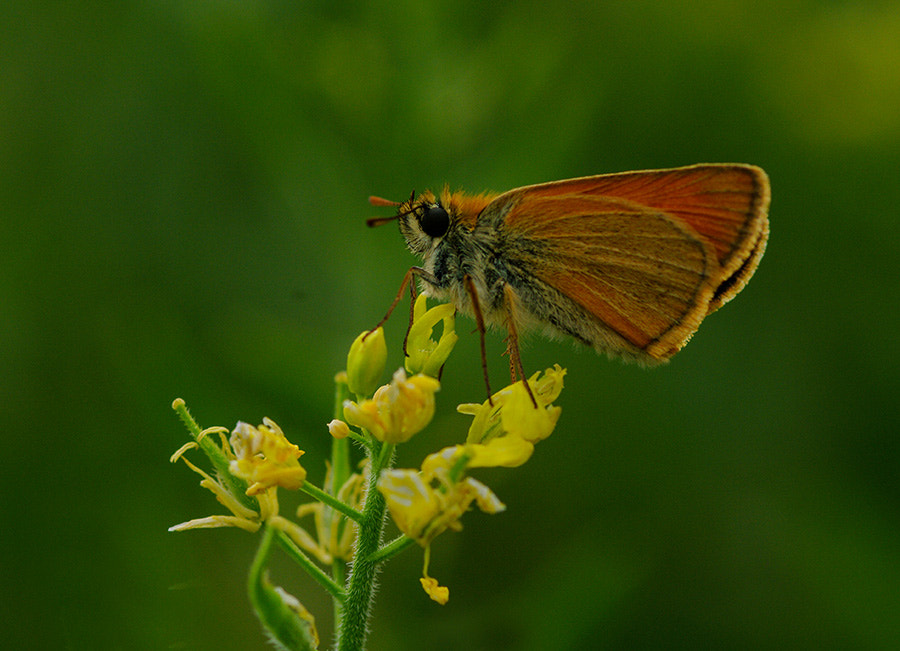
[[627, 263]]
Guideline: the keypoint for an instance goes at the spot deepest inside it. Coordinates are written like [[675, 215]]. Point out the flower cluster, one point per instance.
[[253, 462], [426, 502]]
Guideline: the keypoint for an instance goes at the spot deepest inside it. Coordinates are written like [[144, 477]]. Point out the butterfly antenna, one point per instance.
[[385, 203]]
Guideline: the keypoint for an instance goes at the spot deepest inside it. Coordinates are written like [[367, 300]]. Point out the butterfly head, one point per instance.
[[423, 220]]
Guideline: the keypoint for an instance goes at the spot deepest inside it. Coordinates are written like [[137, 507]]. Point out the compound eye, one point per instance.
[[435, 222]]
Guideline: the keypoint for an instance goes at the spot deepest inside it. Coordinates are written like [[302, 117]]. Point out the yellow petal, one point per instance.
[[438, 593], [509, 451], [424, 354]]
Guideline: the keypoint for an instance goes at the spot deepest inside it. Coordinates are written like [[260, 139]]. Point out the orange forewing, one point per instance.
[[722, 203], [648, 254]]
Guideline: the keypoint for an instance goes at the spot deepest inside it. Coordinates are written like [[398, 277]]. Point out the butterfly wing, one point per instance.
[[631, 263]]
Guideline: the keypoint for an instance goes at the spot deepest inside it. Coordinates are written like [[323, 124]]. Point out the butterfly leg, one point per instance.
[[407, 281], [512, 342], [479, 322], [403, 285]]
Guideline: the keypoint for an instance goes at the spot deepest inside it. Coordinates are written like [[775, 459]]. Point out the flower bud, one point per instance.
[[365, 362], [338, 429]]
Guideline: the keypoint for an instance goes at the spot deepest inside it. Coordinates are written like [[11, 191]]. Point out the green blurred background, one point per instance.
[[182, 204]]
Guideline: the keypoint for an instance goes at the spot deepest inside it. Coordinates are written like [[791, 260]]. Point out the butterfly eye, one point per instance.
[[435, 221]]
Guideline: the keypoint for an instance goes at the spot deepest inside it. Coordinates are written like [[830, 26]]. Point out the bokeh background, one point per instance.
[[182, 200]]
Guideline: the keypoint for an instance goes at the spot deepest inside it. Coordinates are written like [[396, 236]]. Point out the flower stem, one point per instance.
[[333, 502], [393, 548], [357, 609], [236, 486], [288, 545], [340, 468]]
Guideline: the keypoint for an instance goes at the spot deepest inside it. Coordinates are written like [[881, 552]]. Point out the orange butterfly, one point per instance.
[[628, 263]]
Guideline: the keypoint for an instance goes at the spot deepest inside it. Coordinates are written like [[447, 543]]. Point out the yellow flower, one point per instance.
[[398, 410], [365, 362], [265, 458], [548, 387], [520, 417], [242, 516], [424, 354], [424, 506], [504, 433]]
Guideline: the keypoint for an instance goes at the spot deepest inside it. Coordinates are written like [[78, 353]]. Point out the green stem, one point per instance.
[[333, 502], [340, 472], [393, 548], [354, 623], [383, 456], [207, 444], [288, 545], [259, 562], [339, 576], [185, 415]]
